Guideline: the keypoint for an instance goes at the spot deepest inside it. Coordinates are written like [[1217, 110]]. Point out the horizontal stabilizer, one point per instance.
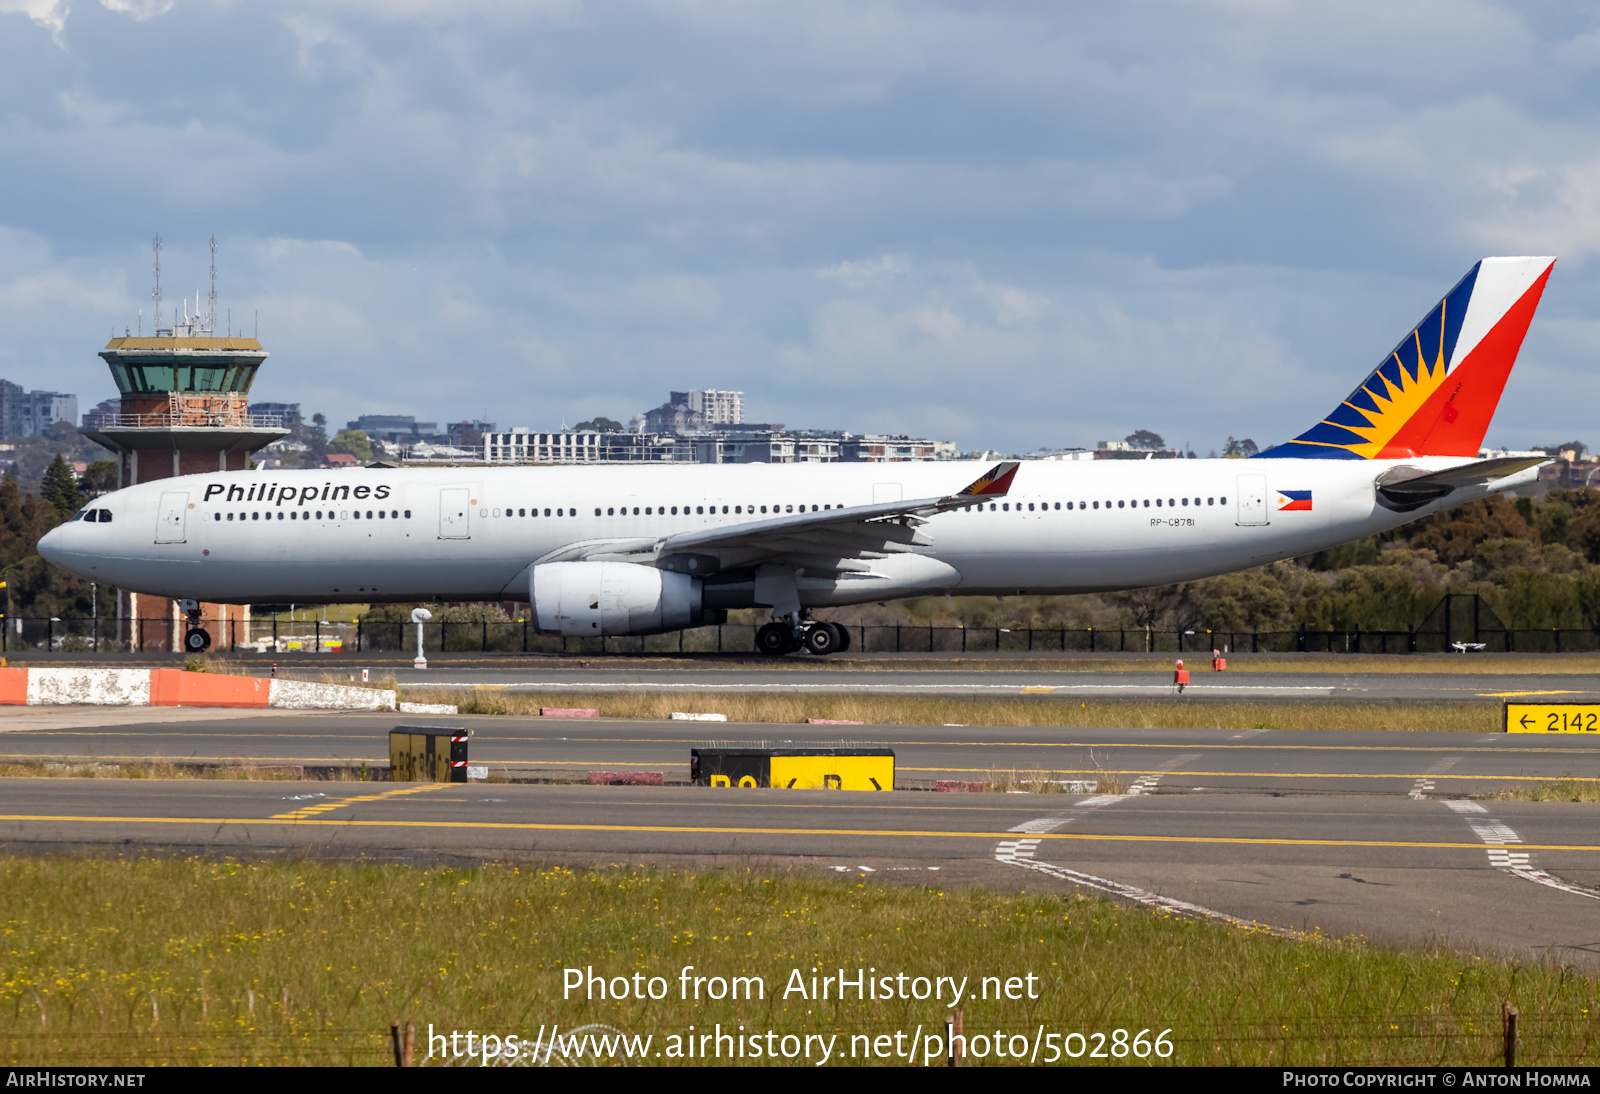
[[1404, 489]]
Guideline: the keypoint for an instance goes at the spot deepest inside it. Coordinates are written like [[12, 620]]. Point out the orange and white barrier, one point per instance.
[[176, 688]]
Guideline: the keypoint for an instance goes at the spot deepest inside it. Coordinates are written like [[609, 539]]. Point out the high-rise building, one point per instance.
[[30, 413], [717, 407]]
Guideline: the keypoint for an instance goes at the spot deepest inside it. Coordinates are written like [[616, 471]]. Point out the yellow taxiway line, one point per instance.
[[1083, 837]]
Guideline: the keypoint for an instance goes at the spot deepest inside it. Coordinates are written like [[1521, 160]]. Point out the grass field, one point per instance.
[[1464, 717], [152, 961], [1565, 790]]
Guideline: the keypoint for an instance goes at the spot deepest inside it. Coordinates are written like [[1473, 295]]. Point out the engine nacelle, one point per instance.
[[610, 598]]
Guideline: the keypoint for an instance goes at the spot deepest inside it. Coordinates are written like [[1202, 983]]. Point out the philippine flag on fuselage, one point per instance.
[[1290, 501]]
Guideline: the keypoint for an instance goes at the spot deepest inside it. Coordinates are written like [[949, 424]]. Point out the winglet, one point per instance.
[[992, 483]]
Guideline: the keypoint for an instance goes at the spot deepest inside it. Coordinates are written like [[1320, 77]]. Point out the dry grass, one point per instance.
[[1479, 717], [1574, 790], [166, 769], [135, 962]]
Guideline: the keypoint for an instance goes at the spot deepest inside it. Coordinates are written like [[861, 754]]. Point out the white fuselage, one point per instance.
[[402, 534]]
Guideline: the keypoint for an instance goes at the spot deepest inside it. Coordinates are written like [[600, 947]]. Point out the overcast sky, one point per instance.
[[1006, 224]]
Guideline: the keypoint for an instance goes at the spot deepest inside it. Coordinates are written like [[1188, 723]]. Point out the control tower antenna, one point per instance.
[[211, 319], [155, 293]]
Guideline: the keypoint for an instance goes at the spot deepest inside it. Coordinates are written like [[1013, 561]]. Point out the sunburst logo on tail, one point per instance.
[[1436, 391]]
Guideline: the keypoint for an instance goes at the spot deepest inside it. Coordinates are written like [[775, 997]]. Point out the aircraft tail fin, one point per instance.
[[1436, 392]]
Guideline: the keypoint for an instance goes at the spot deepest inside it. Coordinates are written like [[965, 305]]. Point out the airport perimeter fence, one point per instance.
[[1466, 625]]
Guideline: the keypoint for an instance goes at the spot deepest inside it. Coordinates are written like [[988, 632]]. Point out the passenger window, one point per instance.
[[1058, 505], [1119, 505], [408, 514], [700, 510], [1186, 501], [1005, 507], [230, 516], [724, 509], [1069, 506], [790, 509], [763, 508], [991, 507], [1197, 501], [1030, 507], [597, 511], [1210, 501], [217, 516], [1222, 501], [1158, 503], [1097, 505]]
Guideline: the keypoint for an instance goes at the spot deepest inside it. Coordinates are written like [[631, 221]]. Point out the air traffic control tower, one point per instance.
[[184, 411]]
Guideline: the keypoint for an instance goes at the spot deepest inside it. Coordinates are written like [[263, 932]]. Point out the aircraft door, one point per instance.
[[172, 517], [1252, 500], [455, 513]]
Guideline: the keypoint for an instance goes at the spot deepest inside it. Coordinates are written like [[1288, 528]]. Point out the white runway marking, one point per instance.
[[1020, 852], [1256, 691], [1516, 863], [1421, 788]]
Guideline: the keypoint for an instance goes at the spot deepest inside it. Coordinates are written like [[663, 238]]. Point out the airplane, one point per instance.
[[627, 549]]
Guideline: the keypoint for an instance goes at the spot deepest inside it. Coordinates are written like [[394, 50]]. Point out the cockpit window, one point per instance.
[[105, 516]]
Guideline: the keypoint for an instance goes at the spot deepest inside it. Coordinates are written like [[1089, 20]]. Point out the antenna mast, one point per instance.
[[211, 319], [155, 293]]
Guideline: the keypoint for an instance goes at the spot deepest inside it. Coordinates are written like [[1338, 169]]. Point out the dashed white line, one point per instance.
[[1424, 785], [1497, 835]]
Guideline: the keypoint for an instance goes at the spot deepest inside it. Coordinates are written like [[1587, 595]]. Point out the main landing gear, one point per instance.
[[196, 639], [781, 636]]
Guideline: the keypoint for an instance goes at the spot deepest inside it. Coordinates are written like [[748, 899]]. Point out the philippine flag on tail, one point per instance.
[[1290, 501]]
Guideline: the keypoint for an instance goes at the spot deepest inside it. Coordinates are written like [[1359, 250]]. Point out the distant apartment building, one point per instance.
[[526, 446], [104, 414], [30, 413], [716, 407], [287, 413], [397, 428], [690, 411]]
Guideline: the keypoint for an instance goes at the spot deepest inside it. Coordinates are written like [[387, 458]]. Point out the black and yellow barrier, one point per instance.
[[1552, 717], [795, 767], [425, 754]]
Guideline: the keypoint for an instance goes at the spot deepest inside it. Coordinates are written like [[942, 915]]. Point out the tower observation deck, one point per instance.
[[184, 407]]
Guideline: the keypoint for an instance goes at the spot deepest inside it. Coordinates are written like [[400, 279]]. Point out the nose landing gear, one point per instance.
[[196, 639]]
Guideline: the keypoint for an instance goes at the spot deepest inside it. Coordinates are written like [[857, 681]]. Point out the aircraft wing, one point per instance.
[[828, 539], [1406, 488]]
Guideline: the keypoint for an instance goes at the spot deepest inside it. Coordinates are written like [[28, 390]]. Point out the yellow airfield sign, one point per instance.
[[1553, 718]]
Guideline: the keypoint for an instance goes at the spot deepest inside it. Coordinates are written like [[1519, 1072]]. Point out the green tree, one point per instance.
[[317, 437], [100, 477], [599, 425], [354, 442], [1144, 439], [60, 488]]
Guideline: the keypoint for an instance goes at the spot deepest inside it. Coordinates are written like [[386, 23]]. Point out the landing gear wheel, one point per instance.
[[844, 636], [775, 639], [823, 639], [197, 640]]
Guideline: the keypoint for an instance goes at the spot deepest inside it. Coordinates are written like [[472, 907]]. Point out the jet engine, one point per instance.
[[611, 598]]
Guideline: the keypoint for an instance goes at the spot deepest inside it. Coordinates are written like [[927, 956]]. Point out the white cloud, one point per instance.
[[50, 14], [139, 9]]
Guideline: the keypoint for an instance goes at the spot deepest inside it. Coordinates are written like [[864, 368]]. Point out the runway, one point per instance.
[[1341, 833], [1066, 682]]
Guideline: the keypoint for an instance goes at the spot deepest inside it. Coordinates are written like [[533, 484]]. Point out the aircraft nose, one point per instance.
[[52, 546]]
